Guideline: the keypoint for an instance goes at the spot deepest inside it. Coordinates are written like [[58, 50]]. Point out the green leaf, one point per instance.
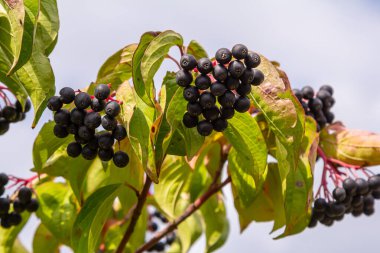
[[299, 183], [185, 137], [247, 159], [283, 113], [196, 50], [38, 79], [118, 67], [267, 206], [175, 173], [18, 247], [8, 236], [16, 15], [149, 55], [215, 222], [45, 145], [57, 210], [142, 92], [90, 220], [44, 241]]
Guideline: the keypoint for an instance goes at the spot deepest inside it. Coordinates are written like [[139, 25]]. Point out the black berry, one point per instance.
[[32, 206], [258, 77], [67, 95], [220, 73], [97, 105], [102, 91], [242, 104], [223, 55], [82, 100], [211, 114], [236, 69], [74, 149], [227, 99], [194, 109], [77, 116], [203, 82], [232, 83], [119, 133], [227, 112], [204, 65], [188, 62], [220, 124], [85, 133], [239, 51], [204, 128], [183, 78], [105, 154], [327, 88], [3, 179], [374, 183], [105, 140], [191, 94], [54, 103], [307, 92], [339, 194], [62, 117], [60, 131], [207, 100], [88, 153], [218, 89], [120, 159], [109, 123], [189, 121], [362, 186], [25, 195], [248, 77], [112, 109], [244, 89], [252, 60]]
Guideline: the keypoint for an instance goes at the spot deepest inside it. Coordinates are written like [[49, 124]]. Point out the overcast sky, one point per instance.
[[316, 42]]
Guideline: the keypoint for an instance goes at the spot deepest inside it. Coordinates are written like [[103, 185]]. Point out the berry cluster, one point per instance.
[[225, 81], [11, 112], [317, 105], [83, 122], [24, 201], [355, 197], [155, 219]]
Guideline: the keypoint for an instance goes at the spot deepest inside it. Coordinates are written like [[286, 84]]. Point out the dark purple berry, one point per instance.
[[227, 112], [85, 133], [211, 114], [236, 69], [25, 195], [220, 73], [77, 116], [204, 65], [220, 124], [239, 51], [106, 140], [242, 104], [97, 105], [102, 91], [203, 82], [191, 94], [244, 89], [223, 56], [74, 149], [204, 128], [189, 121], [3, 179], [183, 78], [248, 77], [105, 154], [62, 117], [188, 62], [307, 92], [194, 109], [258, 77], [109, 123], [60, 131], [119, 133], [252, 60], [218, 89], [67, 95], [54, 103], [88, 153], [120, 159], [112, 109], [207, 100], [82, 100]]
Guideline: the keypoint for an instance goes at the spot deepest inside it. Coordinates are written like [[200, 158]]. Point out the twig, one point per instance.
[[174, 60], [135, 216], [214, 188]]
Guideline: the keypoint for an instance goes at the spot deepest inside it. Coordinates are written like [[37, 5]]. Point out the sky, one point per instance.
[[316, 42]]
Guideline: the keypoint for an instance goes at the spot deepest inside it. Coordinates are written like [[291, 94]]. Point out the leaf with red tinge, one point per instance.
[[356, 147]]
